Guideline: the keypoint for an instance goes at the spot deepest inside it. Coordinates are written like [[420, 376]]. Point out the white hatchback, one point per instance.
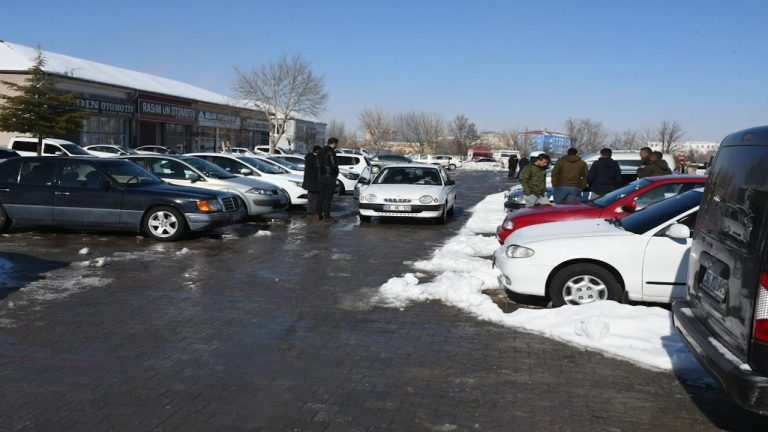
[[408, 190], [641, 257], [109, 150]]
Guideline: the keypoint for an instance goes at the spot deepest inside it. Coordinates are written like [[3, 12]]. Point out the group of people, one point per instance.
[[320, 172], [571, 178]]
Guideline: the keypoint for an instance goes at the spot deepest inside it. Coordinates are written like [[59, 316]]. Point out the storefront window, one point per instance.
[[104, 130], [205, 139], [177, 137]]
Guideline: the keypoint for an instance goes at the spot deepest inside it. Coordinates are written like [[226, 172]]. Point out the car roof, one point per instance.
[[411, 165]]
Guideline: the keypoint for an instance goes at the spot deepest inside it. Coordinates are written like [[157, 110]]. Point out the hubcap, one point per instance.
[[163, 224], [584, 289]]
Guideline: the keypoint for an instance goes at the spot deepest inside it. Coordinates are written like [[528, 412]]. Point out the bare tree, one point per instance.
[[337, 129], [630, 139], [464, 133], [586, 134], [283, 89], [669, 134], [376, 125], [421, 129]]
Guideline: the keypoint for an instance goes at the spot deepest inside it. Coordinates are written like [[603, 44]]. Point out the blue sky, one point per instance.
[[503, 64]]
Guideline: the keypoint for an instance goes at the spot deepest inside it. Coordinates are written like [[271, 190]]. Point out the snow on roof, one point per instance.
[[19, 58]]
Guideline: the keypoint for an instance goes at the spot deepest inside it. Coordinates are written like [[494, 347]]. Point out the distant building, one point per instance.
[[687, 147], [552, 143]]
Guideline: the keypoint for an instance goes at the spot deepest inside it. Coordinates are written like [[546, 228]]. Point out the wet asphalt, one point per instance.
[[269, 326]]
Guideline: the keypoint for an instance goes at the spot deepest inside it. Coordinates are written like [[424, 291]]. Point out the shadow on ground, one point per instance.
[[18, 270]]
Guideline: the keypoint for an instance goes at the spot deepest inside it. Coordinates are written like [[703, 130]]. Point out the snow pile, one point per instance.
[[483, 166], [263, 233], [84, 251], [460, 271]]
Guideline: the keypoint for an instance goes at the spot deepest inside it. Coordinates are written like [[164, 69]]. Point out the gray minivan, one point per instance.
[[724, 319]]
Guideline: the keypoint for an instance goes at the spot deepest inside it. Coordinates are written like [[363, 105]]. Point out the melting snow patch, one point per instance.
[[640, 334], [263, 233], [183, 251], [84, 251]]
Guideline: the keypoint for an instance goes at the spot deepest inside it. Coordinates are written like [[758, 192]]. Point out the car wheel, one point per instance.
[[375, 169], [583, 283], [443, 218], [5, 221], [452, 166], [164, 223], [364, 218], [342, 191]]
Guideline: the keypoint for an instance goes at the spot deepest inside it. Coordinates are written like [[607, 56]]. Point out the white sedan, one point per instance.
[[109, 150], [642, 257], [408, 190]]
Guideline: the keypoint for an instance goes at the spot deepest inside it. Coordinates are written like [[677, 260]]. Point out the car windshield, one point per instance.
[[127, 150], [129, 174], [612, 197], [657, 214], [208, 168], [74, 149], [299, 162], [414, 176], [285, 163], [262, 166]]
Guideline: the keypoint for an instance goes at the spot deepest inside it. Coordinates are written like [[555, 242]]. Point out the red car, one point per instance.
[[619, 203]]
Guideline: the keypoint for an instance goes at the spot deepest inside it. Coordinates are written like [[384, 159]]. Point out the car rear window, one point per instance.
[[737, 196]]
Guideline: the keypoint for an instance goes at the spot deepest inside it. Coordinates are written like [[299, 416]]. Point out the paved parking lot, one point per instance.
[[268, 326]]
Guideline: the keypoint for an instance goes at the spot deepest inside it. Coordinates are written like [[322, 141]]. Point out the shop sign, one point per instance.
[[153, 110], [106, 107], [256, 125], [215, 119]]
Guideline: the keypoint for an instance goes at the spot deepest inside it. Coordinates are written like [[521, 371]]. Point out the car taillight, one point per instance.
[[760, 332]]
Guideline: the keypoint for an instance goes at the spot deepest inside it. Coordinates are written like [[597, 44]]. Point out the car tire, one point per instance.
[[452, 166], [5, 221], [164, 223], [375, 169], [583, 283], [443, 218], [342, 191], [364, 218]]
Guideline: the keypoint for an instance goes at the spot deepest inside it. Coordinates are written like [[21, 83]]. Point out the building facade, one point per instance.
[[552, 143]]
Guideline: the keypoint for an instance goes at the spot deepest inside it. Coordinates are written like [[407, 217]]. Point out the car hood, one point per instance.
[[174, 191], [402, 191], [543, 210], [250, 182], [564, 230]]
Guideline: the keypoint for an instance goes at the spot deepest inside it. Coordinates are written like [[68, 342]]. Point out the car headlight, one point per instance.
[[208, 206], [370, 198], [296, 182], [426, 199], [257, 191], [350, 175], [515, 251], [508, 224]]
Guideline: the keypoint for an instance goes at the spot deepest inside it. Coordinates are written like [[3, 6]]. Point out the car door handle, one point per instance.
[[61, 193]]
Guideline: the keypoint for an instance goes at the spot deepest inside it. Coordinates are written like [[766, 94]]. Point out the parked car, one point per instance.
[[380, 161], [258, 197], [26, 146], [445, 161], [109, 150], [642, 257], [361, 152], [109, 194], [155, 149], [619, 203], [408, 190], [7, 154], [294, 159], [265, 150], [724, 319], [484, 163], [256, 167], [245, 151], [352, 162]]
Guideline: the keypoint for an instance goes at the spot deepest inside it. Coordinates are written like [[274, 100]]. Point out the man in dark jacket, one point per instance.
[[512, 165], [312, 183], [657, 166], [328, 171], [521, 164], [604, 174], [569, 178], [645, 160]]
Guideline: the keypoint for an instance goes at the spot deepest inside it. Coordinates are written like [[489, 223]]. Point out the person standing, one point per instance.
[[328, 171], [569, 178], [312, 183], [645, 160], [533, 179], [521, 164], [604, 174], [512, 165]]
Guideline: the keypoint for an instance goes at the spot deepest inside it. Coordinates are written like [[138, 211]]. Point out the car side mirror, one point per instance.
[[194, 178], [629, 207], [106, 185], [364, 180], [246, 172], [450, 182], [678, 231]]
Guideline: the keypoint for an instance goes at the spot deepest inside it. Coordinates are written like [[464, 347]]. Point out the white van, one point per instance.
[[27, 146]]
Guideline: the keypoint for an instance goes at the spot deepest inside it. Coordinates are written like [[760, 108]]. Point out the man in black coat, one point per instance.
[[604, 174], [523, 162], [512, 165], [328, 171], [312, 182]]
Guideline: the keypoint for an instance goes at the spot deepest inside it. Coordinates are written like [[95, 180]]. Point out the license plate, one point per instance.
[[714, 285], [392, 207]]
